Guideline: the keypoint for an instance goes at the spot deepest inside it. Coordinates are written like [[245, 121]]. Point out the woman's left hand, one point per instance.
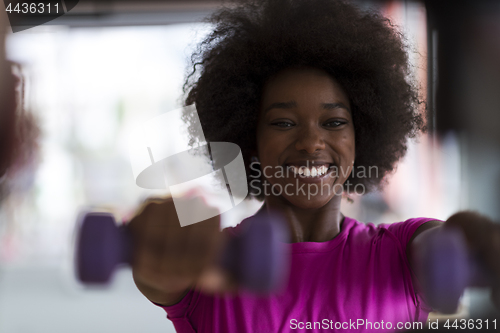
[[483, 238]]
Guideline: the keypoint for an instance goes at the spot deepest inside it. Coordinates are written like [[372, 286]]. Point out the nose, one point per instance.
[[310, 140]]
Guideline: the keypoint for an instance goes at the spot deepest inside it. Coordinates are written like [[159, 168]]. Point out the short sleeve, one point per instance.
[[404, 231]]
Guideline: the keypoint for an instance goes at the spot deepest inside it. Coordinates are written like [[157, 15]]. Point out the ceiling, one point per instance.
[[144, 12], [133, 12]]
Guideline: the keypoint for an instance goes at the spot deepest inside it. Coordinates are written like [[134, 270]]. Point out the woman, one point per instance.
[[312, 92]]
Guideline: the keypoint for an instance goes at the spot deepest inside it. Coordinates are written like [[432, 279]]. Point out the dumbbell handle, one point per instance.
[[256, 258], [448, 268]]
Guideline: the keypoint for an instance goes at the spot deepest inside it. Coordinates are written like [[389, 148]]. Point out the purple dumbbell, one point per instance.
[[448, 268], [256, 257]]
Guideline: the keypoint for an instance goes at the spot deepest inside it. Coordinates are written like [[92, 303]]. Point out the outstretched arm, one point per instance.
[[482, 238]]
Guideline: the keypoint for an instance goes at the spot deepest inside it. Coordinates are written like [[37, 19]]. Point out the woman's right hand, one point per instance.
[[169, 260]]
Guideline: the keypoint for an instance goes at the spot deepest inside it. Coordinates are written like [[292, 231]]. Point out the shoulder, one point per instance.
[[402, 231], [407, 230]]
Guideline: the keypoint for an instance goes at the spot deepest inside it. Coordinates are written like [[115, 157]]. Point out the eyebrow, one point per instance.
[[281, 105], [292, 104], [338, 105]]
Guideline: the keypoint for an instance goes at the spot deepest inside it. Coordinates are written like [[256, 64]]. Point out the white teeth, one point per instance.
[[310, 172]]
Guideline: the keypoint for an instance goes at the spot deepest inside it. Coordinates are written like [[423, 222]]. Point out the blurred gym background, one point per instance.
[[89, 77]]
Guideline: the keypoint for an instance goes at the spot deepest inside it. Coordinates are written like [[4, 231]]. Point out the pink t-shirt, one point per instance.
[[360, 281]]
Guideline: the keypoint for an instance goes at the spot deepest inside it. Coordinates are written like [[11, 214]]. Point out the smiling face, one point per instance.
[[305, 137]]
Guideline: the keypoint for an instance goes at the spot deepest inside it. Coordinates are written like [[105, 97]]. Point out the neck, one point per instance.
[[309, 225]]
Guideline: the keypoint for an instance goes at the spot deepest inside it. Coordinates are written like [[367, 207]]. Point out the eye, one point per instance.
[[334, 123], [283, 124]]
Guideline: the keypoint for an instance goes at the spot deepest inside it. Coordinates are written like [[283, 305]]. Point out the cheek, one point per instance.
[[270, 147], [349, 143], [344, 143], [352, 148], [346, 148]]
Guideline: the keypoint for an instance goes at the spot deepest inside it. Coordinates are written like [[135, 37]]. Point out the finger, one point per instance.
[[203, 245]]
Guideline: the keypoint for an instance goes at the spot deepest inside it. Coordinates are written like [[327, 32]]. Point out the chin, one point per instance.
[[314, 202]]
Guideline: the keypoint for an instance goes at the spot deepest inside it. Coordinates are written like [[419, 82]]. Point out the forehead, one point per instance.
[[294, 83]]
